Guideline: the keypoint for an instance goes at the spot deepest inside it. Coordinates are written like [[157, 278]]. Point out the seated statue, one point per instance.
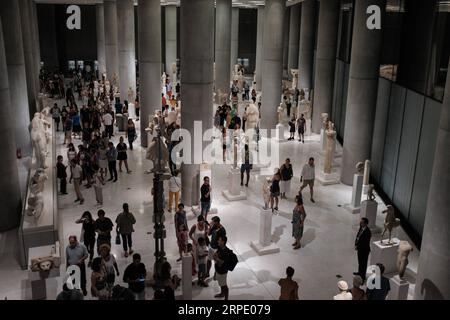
[[153, 154]]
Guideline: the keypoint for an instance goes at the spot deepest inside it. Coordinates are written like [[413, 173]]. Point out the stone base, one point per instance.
[[261, 250], [280, 132], [386, 254], [399, 289], [365, 188], [231, 197], [369, 211], [326, 179]]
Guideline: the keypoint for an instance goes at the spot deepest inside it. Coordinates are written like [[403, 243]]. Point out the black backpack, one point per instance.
[[233, 261]]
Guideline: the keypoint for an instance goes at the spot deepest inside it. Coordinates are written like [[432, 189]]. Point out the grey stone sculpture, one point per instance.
[[390, 223], [404, 249]]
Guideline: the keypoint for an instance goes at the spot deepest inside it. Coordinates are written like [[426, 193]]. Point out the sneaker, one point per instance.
[[129, 171], [114, 180], [242, 184], [126, 254], [130, 251], [77, 200], [246, 185], [82, 201], [179, 259], [312, 200], [220, 295]]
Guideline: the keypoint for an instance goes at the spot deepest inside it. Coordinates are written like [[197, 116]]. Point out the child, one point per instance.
[[61, 175], [182, 239], [191, 252], [292, 128], [202, 258]]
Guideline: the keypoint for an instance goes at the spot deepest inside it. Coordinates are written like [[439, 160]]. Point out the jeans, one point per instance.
[[205, 206], [112, 169], [127, 242]]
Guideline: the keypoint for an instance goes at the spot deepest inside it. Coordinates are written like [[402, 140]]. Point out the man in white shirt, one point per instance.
[[174, 190], [77, 173], [108, 122], [308, 176]]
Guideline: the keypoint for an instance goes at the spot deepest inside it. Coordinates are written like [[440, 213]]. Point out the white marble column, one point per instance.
[[100, 22], [197, 58], [150, 57], [171, 37], [222, 48], [362, 90], [112, 51], [325, 60], [306, 47], [25, 18], [234, 38], [433, 274], [9, 186], [12, 35], [259, 48], [272, 62], [294, 37], [127, 47]]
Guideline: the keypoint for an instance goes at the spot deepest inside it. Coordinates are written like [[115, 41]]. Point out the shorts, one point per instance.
[[211, 252], [308, 182], [246, 168], [221, 279], [205, 208], [274, 194]]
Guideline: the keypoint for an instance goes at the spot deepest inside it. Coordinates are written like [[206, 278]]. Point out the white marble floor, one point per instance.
[[328, 239]]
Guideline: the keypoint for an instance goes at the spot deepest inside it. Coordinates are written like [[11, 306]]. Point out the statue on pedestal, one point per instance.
[[44, 263], [370, 195], [174, 72], [158, 153], [280, 111], [366, 172], [304, 107], [404, 249], [294, 73], [331, 140], [38, 181], [266, 192], [35, 205], [390, 223], [252, 116], [325, 121], [39, 140], [359, 168]]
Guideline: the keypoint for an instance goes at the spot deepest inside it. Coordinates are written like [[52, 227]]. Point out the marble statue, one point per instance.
[[130, 94], [44, 263], [38, 181], [325, 121], [359, 168], [390, 222], [266, 192], [304, 107], [252, 116], [163, 80], [174, 72], [280, 111], [46, 125], [39, 140], [153, 154], [331, 141], [35, 205], [236, 73], [294, 73], [404, 249], [370, 195], [240, 80], [171, 117], [366, 172]]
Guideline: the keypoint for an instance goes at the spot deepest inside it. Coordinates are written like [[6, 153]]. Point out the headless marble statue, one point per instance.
[[390, 223], [331, 136], [38, 140], [404, 249], [370, 195]]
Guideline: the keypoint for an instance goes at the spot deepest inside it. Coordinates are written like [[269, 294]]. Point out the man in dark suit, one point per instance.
[[362, 246]]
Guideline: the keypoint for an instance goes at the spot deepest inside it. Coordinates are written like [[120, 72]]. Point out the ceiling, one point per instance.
[[236, 3]]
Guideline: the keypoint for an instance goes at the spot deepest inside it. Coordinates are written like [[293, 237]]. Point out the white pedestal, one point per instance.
[[279, 132], [327, 178], [399, 289], [197, 210], [385, 254], [355, 204], [369, 211], [265, 245], [234, 192], [186, 276]]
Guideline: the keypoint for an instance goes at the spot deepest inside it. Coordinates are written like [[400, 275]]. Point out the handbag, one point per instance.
[[118, 239]]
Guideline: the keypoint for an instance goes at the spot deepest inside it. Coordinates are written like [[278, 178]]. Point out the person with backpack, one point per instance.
[[225, 261], [70, 294], [216, 230]]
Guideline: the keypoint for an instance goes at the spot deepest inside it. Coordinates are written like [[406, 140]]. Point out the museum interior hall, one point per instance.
[[225, 150]]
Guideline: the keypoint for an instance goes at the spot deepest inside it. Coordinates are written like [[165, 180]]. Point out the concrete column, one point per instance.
[[149, 37], [197, 58], [127, 51], [433, 274], [100, 21], [294, 37], [10, 190], [223, 47], [259, 48], [112, 50], [234, 38], [272, 62], [362, 90], [35, 45], [286, 41], [171, 37], [325, 60], [10, 15], [306, 48], [25, 18]]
